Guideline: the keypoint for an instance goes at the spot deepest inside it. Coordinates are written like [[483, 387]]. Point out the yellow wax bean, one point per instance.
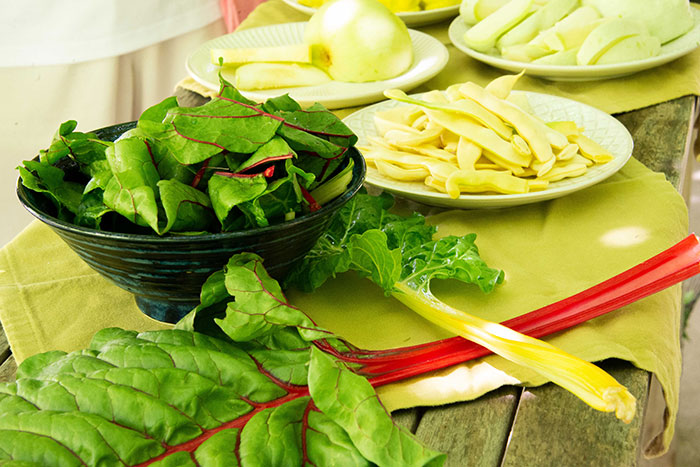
[[567, 153], [449, 141], [579, 159], [567, 171], [537, 184], [521, 145], [503, 85], [399, 173], [467, 154], [479, 135], [525, 125], [543, 168], [421, 122], [591, 149], [502, 163], [423, 149], [384, 125], [465, 107], [404, 114], [435, 184], [477, 181], [438, 169], [567, 128], [408, 138]]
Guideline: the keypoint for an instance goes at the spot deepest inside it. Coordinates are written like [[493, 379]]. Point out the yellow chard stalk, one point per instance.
[[585, 380]]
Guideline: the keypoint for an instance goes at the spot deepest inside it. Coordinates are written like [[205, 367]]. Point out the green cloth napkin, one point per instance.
[[50, 299]]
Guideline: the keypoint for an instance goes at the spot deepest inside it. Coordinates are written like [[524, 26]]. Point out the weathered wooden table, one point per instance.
[[546, 426]]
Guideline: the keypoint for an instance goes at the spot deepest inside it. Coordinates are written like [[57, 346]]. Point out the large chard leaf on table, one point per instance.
[[260, 394]]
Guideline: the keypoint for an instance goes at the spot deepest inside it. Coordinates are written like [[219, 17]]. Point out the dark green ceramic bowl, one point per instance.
[[165, 274]]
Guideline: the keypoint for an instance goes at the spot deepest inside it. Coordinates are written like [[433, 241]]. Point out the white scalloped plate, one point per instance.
[[411, 18], [599, 126], [669, 51], [430, 57]]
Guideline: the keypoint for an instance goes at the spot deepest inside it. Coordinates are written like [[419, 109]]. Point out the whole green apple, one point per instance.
[[359, 41]]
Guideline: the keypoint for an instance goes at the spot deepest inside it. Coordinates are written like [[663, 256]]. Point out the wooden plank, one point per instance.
[[4, 346], [408, 418], [8, 369], [660, 135], [554, 428], [471, 433]]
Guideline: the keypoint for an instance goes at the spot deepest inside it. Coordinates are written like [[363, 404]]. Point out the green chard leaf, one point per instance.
[[220, 124], [47, 179], [231, 149], [186, 208], [179, 397], [331, 254], [230, 191], [133, 190]]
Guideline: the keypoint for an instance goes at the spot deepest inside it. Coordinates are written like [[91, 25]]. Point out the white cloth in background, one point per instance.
[[96, 92], [54, 32]]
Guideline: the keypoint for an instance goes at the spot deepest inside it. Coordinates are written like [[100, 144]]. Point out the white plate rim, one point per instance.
[[457, 29], [411, 18], [556, 189], [432, 52]]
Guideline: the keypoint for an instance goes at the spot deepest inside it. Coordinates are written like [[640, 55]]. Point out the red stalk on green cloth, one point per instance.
[[667, 268]]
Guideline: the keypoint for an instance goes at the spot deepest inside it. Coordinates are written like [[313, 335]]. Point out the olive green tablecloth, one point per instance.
[[50, 299]]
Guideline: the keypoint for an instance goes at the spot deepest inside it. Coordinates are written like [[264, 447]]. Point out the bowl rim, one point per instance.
[[358, 176]]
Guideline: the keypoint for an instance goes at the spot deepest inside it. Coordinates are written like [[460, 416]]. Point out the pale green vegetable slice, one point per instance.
[[299, 53], [605, 36], [569, 32], [630, 49], [483, 35], [545, 17], [473, 11], [561, 58], [255, 76], [665, 19]]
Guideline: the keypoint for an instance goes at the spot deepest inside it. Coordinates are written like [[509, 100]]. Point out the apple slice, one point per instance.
[[632, 48], [297, 53], [483, 35], [665, 19], [605, 36], [569, 32], [257, 76], [473, 11], [563, 57], [545, 17]]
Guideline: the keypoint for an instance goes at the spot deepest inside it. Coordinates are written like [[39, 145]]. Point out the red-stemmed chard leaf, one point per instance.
[[271, 388]]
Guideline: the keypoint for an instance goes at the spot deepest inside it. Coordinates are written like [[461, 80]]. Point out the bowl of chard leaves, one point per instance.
[[158, 205]]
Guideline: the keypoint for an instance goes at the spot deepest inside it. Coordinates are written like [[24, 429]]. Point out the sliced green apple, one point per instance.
[[257, 76], [483, 35], [545, 17], [605, 36], [665, 19], [569, 32], [297, 53], [523, 52], [563, 57], [473, 11], [631, 49]]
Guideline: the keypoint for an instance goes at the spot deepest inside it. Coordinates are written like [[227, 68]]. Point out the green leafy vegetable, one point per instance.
[[402, 258], [247, 379], [268, 155], [259, 394]]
